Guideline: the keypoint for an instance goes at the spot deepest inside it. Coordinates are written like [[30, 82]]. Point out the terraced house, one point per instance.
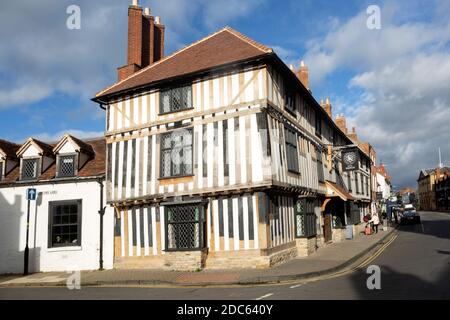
[[218, 155]]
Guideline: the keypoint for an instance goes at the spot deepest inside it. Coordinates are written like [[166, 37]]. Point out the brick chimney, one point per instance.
[[327, 106], [303, 74], [145, 40], [341, 122], [353, 136]]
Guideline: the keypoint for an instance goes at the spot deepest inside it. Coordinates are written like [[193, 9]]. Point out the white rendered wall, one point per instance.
[[13, 208]]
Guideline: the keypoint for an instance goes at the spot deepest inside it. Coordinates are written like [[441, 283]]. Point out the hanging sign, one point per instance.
[[350, 159]]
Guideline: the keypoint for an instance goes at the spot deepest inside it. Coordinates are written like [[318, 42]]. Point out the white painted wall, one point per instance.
[[13, 208], [383, 186]]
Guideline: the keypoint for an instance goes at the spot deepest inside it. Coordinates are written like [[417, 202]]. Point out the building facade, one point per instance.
[[443, 191], [219, 156], [64, 220], [427, 189]]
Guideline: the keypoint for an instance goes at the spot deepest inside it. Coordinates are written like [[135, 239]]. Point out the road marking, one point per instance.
[[264, 296], [296, 286]]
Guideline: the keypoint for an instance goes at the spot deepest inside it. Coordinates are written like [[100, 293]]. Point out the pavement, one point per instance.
[[325, 261]]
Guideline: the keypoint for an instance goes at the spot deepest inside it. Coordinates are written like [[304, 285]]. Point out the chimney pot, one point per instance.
[[327, 101], [353, 129], [147, 11], [135, 3], [157, 20], [291, 66]]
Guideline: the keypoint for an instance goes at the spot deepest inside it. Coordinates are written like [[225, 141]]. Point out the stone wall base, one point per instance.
[[179, 260], [253, 259], [338, 235], [306, 246]]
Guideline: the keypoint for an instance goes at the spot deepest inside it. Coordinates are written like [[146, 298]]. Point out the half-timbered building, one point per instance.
[[217, 155]]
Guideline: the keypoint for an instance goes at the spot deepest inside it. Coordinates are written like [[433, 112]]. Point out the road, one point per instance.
[[415, 266]]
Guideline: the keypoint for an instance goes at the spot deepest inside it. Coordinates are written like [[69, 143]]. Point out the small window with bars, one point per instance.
[[291, 150], [305, 218], [175, 99], [66, 166], [185, 227], [30, 169], [64, 223], [176, 153]]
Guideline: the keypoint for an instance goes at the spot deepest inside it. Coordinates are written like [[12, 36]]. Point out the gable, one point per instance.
[[67, 147], [31, 151], [221, 48]]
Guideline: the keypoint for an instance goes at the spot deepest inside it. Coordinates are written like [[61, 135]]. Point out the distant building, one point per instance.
[[383, 182], [443, 190], [427, 187]]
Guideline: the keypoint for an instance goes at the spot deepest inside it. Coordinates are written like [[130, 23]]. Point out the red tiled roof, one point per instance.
[[9, 148], [221, 48], [95, 166], [341, 192]]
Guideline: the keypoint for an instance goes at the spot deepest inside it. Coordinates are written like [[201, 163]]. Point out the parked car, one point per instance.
[[409, 214]]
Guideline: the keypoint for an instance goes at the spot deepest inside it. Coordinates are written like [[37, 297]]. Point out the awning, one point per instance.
[[334, 190]]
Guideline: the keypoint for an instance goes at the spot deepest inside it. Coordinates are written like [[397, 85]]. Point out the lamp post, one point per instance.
[[31, 196]]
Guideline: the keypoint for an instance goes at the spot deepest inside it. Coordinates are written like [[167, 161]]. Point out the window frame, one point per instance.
[[58, 165], [318, 124], [201, 221], [291, 149], [309, 218], [38, 168], [162, 149], [171, 91], [289, 96], [51, 207]]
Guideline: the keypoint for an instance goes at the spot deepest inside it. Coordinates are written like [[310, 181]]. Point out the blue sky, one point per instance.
[[393, 84]]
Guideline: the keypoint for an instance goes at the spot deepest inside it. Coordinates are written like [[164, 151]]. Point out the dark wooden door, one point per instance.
[[327, 227]]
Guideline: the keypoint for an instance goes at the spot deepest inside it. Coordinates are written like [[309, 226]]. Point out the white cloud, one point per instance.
[[399, 99], [42, 57], [54, 137]]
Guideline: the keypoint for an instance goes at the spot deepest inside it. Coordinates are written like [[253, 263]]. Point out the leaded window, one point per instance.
[[175, 99], [30, 169], [66, 166], [185, 227], [291, 149], [305, 218], [64, 223], [176, 153]]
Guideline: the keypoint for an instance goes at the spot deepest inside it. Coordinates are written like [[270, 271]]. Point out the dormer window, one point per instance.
[[66, 166], [30, 169]]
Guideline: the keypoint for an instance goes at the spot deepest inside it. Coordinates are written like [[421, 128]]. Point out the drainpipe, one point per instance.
[[102, 213]]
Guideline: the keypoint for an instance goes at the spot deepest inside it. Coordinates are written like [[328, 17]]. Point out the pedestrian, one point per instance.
[[376, 221]]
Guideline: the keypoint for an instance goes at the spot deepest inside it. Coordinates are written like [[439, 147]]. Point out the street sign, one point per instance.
[[31, 194], [350, 159]]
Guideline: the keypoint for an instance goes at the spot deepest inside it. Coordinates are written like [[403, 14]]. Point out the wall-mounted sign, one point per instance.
[[350, 159]]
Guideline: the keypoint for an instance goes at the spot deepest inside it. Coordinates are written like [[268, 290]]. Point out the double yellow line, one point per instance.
[[361, 265]]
